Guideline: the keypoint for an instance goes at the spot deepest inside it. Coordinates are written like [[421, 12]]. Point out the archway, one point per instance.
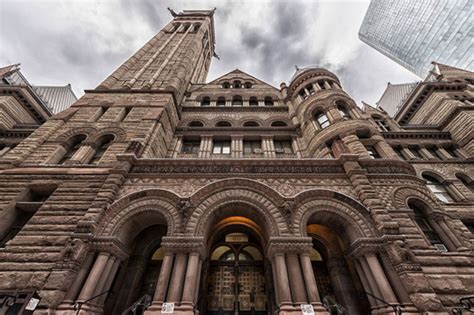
[[238, 276]]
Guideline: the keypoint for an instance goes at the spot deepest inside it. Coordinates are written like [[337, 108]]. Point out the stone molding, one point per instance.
[[401, 195], [289, 245], [184, 244]]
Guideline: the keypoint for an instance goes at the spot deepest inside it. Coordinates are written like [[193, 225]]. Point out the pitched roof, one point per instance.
[[235, 73], [56, 98], [394, 96]]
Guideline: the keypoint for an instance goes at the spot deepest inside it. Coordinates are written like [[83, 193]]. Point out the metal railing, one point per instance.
[[397, 309], [78, 305], [139, 307]]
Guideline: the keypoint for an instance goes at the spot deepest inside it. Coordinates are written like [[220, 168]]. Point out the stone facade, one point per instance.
[[139, 185]]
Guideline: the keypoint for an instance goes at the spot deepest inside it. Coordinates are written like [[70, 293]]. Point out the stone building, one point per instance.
[[234, 196]]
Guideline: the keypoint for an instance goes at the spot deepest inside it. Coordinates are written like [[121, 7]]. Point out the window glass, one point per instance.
[[322, 120], [252, 147], [373, 152], [283, 146], [438, 189], [221, 147], [191, 147]]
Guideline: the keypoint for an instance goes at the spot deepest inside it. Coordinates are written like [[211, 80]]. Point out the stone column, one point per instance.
[[109, 280], [283, 282], [100, 287], [441, 233], [84, 154], [365, 283], [79, 280], [94, 276], [190, 279], [380, 279], [295, 147], [236, 146], [450, 234], [198, 282], [205, 147], [372, 285], [178, 146], [177, 278], [309, 280], [296, 279], [342, 283], [163, 279]]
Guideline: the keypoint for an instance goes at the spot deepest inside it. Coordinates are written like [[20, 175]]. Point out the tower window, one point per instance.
[[415, 151], [206, 101], [237, 85], [451, 151], [310, 89], [303, 94], [433, 151], [268, 101], [221, 147], [321, 84], [322, 120], [252, 147], [248, 85], [373, 152], [426, 228], [105, 143], [220, 101], [223, 124], [253, 101], [237, 101], [251, 124], [342, 108], [437, 188], [282, 147], [226, 85], [191, 146], [195, 124], [72, 148]]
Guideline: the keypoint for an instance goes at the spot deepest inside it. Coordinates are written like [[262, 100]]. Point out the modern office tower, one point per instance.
[[414, 33], [161, 192]]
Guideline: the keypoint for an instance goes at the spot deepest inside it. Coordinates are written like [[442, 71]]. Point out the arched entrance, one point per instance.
[[238, 279]]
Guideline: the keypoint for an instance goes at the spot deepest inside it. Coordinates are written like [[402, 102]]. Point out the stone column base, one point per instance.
[[68, 309]]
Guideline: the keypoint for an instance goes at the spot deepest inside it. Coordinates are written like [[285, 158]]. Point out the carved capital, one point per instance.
[[184, 244], [289, 245]]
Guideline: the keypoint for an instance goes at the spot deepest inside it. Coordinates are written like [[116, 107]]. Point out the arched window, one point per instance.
[[424, 223], [226, 85], [74, 145], [105, 143], [322, 119], [248, 85], [302, 94], [373, 152], [206, 101], [310, 89], [253, 101], [342, 108], [321, 84], [223, 124], [251, 124], [237, 100], [437, 188], [279, 123], [237, 84], [220, 101], [469, 183], [268, 101], [195, 123], [381, 124]]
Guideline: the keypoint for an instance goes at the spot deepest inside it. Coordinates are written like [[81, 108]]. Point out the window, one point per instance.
[[72, 148], [22, 212], [251, 124], [100, 113], [206, 101], [426, 227], [283, 147], [253, 101], [237, 85], [191, 146], [126, 112], [221, 147], [303, 94], [470, 226], [279, 124], [433, 151], [469, 183], [342, 108], [373, 152], [268, 101], [252, 147], [226, 85], [381, 124], [451, 151], [237, 101], [322, 120], [195, 123], [223, 124], [321, 84], [399, 151], [437, 188], [105, 143], [416, 152], [310, 89], [220, 101], [248, 85]]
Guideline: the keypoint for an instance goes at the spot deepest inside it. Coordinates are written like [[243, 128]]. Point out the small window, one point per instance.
[[268, 101], [399, 151], [451, 151], [237, 100], [191, 146], [310, 89], [221, 147], [226, 85], [252, 147], [279, 123], [206, 101], [322, 120], [106, 142], [416, 152], [195, 123], [470, 226], [426, 227], [433, 151], [321, 84], [342, 108], [282, 147], [223, 124], [303, 94], [251, 124], [381, 124], [437, 188], [220, 101], [373, 152], [248, 85], [469, 183], [237, 85], [253, 101], [74, 145]]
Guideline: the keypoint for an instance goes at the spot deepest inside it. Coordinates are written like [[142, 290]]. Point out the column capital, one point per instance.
[[289, 245], [111, 246], [363, 246], [182, 244]]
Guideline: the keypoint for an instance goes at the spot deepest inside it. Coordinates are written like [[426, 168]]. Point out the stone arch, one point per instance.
[[439, 174], [213, 122], [187, 121], [246, 119], [65, 136], [322, 103], [138, 210], [268, 122], [402, 195], [263, 199], [336, 208], [119, 134]]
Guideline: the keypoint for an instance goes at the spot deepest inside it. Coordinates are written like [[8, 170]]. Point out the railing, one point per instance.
[[139, 307], [397, 309], [467, 304], [78, 305], [332, 306]]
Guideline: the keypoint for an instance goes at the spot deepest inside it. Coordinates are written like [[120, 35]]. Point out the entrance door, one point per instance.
[[236, 280]]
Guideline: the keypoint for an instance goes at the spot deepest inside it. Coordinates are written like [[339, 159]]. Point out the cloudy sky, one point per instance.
[[81, 42]]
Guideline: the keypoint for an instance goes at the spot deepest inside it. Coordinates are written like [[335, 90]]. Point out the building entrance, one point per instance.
[[236, 277]]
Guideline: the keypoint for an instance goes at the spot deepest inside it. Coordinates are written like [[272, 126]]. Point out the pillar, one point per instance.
[[298, 289], [381, 279], [190, 279], [94, 276], [177, 278], [79, 280], [365, 283], [372, 285], [282, 284], [163, 279], [309, 280], [449, 233], [109, 280], [342, 284]]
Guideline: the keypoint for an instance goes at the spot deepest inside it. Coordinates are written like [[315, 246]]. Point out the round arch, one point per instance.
[[402, 195]]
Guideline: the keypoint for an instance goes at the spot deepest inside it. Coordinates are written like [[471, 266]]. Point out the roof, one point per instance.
[[57, 98], [394, 96]]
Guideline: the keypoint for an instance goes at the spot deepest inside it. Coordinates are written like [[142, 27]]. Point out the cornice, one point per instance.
[[417, 135], [213, 109]]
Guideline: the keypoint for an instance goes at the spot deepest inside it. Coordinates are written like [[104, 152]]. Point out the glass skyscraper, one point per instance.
[[414, 33]]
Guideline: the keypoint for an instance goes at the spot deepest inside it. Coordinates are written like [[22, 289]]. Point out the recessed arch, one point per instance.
[[195, 123], [251, 123], [223, 123], [279, 123]]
